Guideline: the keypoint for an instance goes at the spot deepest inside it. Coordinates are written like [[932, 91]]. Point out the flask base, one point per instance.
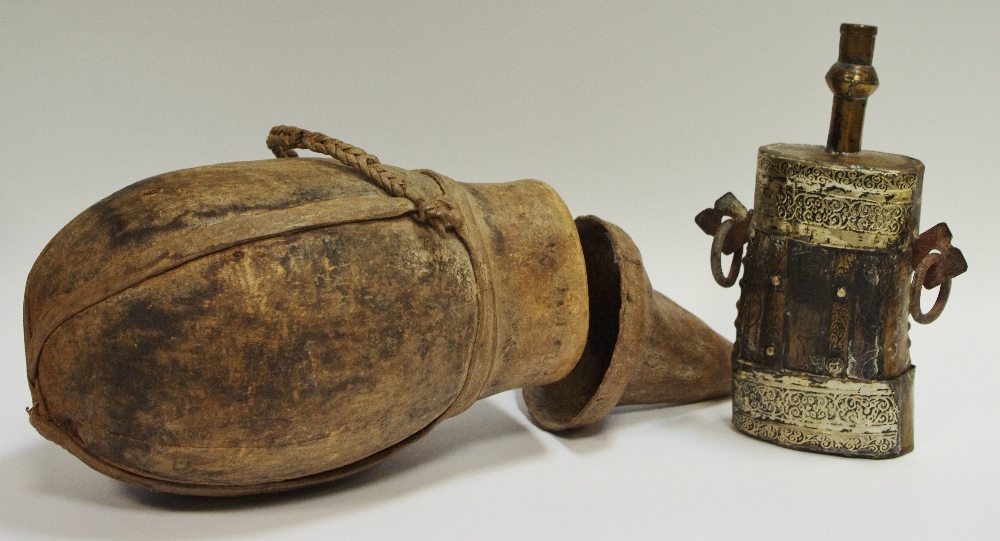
[[854, 418]]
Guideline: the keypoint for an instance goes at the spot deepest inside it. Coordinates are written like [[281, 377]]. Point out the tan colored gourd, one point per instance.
[[260, 326]]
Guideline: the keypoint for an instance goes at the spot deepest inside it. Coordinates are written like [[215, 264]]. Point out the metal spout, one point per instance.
[[852, 79]]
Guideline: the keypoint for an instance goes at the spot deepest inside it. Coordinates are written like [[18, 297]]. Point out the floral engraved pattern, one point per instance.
[[839, 416], [789, 436], [877, 410], [834, 205], [839, 319], [848, 214], [814, 405], [844, 262], [863, 179]]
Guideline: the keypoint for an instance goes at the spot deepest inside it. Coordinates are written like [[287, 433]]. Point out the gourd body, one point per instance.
[[259, 326]]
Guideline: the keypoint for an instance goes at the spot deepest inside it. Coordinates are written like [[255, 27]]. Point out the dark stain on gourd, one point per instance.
[[117, 214], [161, 369], [271, 360]]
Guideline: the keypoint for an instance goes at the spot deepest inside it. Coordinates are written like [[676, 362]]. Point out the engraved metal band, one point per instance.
[[837, 206], [828, 415]]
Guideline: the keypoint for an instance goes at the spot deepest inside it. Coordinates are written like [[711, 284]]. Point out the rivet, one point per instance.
[[770, 351], [775, 280], [842, 292]]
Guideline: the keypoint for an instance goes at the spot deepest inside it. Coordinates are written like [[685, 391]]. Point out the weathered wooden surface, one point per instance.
[[642, 348], [258, 326]]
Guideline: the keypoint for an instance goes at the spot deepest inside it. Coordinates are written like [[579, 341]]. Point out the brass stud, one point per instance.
[[842, 292], [770, 351], [775, 280]]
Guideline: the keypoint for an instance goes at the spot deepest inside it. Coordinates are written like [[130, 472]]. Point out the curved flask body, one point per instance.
[[259, 326]]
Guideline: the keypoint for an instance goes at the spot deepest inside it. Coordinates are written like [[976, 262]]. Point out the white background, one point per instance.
[[641, 113]]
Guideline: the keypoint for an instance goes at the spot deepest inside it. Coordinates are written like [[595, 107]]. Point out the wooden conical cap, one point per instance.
[[642, 348]]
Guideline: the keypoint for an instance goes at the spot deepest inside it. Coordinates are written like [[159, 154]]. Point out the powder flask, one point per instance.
[[821, 360]]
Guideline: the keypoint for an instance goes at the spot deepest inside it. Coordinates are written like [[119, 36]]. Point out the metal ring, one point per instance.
[[716, 256], [918, 283]]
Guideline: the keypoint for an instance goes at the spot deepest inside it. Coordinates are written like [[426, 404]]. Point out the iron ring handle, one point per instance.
[[918, 283], [716, 256]]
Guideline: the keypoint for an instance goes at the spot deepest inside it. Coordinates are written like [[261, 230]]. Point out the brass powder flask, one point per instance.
[[821, 360]]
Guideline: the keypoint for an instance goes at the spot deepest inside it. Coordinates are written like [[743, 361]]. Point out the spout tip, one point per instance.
[[852, 79]]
